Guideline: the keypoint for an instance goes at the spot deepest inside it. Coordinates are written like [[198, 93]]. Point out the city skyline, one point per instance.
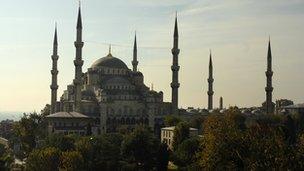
[[29, 89]]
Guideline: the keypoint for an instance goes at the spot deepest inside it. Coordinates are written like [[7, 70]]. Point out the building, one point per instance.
[[70, 123], [167, 135], [294, 109], [109, 93]]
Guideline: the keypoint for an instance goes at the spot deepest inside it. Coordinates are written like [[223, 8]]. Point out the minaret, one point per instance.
[[221, 103], [175, 68], [269, 88], [135, 62], [54, 72], [78, 62], [210, 84]]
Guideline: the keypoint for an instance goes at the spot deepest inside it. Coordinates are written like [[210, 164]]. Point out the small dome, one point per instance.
[[110, 62]]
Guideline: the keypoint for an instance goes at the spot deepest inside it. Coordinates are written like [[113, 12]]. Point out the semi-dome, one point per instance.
[[110, 62]]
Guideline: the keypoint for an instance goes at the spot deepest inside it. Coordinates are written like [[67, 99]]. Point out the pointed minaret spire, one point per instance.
[[55, 35], [175, 26], [79, 21], [135, 62], [78, 62], [54, 72], [210, 84], [269, 88], [175, 68]]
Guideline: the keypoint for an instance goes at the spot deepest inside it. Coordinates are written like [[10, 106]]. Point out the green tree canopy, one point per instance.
[[141, 147], [181, 133], [43, 159], [71, 161], [172, 120]]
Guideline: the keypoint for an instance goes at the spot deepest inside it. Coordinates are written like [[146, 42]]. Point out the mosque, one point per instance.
[[108, 96]]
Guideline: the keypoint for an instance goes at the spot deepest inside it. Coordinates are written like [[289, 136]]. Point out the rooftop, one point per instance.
[[171, 128], [301, 105], [67, 115]]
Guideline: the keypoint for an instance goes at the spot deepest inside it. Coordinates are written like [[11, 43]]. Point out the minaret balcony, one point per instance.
[[210, 80], [210, 93], [54, 87], [78, 44], [54, 72], [269, 89], [175, 68], [78, 62], [175, 51], [175, 85], [269, 73], [55, 57]]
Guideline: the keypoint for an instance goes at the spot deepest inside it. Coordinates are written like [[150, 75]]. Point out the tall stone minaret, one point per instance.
[[269, 88], [78, 62], [175, 68], [135, 62], [210, 84], [221, 103], [54, 72]]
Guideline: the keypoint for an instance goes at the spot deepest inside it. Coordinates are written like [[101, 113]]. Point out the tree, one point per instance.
[[72, 161], [181, 133], [163, 157], [43, 159], [63, 142], [171, 120], [222, 145], [6, 158], [197, 122], [28, 129], [140, 147], [185, 154], [102, 152], [268, 148]]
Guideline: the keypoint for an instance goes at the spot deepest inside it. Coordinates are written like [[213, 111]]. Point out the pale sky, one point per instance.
[[237, 31]]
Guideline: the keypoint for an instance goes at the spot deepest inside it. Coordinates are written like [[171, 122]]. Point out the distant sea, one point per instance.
[[11, 115]]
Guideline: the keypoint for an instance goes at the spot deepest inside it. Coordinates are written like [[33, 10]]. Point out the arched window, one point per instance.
[[133, 121], [122, 121], [128, 121]]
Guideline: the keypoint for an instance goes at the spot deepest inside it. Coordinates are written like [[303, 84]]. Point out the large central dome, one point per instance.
[[110, 62]]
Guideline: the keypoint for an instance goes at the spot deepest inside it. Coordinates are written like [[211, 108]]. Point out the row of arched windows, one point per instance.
[[127, 121], [125, 111]]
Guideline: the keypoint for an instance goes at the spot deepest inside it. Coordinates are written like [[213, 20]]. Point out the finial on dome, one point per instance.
[[110, 49]]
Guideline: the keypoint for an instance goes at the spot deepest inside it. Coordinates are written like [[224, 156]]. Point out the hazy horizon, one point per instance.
[[237, 31]]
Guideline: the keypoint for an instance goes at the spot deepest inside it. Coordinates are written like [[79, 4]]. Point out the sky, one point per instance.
[[237, 32]]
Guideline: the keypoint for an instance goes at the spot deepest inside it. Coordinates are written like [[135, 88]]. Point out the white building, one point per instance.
[[167, 134]]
